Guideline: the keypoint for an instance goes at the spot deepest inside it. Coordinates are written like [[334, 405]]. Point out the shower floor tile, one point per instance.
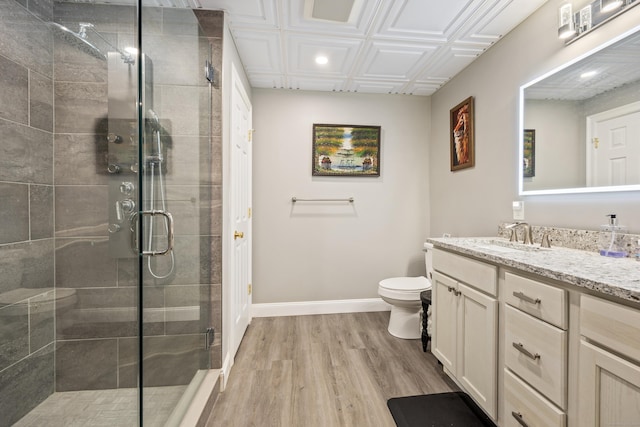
[[94, 408]]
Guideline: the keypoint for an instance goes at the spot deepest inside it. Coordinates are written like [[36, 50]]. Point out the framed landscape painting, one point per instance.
[[346, 150]]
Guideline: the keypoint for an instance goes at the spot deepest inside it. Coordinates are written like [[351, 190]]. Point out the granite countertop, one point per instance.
[[618, 277]]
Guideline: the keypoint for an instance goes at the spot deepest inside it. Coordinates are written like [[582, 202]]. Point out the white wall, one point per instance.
[[472, 201], [332, 251]]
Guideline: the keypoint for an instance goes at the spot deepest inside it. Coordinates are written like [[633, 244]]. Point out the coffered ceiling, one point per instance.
[[373, 46]]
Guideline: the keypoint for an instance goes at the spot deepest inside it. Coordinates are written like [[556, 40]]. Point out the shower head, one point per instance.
[[77, 40]]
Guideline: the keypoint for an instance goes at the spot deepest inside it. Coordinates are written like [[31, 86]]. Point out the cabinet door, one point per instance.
[[444, 307], [609, 389], [477, 347]]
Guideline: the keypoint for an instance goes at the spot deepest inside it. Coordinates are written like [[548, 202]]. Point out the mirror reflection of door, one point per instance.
[[614, 146]]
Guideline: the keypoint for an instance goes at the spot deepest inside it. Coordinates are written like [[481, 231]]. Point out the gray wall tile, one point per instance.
[[26, 154], [41, 101], [86, 364], [42, 8], [14, 344], [211, 22], [80, 159], [14, 91], [37, 264], [74, 256], [41, 315], [80, 107], [107, 18], [25, 39], [187, 108], [26, 384], [74, 65], [14, 211], [99, 313], [26, 265], [81, 210], [41, 211], [168, 360]]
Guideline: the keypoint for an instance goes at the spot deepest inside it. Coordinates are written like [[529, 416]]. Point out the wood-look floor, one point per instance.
[[325, 370]]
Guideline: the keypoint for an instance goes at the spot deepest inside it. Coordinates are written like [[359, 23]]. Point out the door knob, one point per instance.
[[237, 234]]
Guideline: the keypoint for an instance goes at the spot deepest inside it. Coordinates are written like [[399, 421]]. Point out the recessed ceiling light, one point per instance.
[[588, 74], [322, 60]]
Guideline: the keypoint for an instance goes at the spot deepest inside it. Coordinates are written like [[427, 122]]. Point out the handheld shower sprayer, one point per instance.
[[154, 164]]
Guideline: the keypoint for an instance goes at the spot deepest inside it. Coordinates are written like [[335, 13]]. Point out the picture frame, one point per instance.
[[345, 150], [529, 153], [461, 133]]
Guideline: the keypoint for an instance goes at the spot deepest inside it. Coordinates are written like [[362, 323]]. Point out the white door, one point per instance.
[[609, 389], [445, 321], [478, 347], [615, 147], [240, 211]]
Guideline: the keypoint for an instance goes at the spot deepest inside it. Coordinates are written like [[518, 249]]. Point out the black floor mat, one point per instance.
[[455, 409]]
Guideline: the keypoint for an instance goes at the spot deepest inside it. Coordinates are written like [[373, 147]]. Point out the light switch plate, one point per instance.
[[518, 210]]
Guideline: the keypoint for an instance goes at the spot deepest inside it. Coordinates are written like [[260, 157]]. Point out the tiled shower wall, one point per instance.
[[95, 326], [26, 207]]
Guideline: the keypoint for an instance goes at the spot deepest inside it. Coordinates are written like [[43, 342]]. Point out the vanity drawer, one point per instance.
[[477, 274], [540, 300], [523, 402], [612, 325], [537, 353]]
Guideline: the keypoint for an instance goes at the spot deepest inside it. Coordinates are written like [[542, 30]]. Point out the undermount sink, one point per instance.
[[506, 246]]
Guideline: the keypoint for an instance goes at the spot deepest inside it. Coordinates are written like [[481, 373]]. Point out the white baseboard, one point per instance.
[[226, 371], [318, 307]]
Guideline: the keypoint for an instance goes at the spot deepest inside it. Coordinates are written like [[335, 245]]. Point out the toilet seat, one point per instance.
[[403, 288]]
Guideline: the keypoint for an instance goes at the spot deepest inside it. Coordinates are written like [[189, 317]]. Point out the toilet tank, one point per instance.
[[428, 259]]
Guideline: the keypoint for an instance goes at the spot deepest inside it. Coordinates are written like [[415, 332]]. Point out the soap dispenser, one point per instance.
[[611, 239]]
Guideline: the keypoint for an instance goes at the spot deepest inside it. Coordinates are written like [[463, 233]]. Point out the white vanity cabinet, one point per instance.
[[609, 364], [465, 318], [536, 353]]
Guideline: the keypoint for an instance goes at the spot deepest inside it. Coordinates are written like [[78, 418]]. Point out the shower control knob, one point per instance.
[[128, 205], [113, 228], [113, 138], [126, 188], [113, 168]]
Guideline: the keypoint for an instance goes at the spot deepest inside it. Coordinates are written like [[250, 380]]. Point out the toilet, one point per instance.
[[403, 294]]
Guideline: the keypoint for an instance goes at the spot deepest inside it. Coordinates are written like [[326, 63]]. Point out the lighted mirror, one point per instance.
[[580, 123]]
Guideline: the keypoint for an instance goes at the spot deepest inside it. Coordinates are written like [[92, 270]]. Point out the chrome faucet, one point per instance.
[[527, 237]]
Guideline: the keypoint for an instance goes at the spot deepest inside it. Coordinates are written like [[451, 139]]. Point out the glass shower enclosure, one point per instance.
[[109, 201]]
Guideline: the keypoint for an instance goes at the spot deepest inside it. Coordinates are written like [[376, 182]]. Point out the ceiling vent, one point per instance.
[[330, 10]]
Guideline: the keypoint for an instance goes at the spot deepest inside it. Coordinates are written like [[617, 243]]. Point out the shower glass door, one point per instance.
[[174, 171]]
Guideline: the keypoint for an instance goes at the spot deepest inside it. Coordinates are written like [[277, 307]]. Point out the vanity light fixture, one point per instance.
[[566, 24], [572, 26], [321, 60], [610, 5]]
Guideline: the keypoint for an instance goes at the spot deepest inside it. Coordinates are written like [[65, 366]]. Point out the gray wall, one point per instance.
[[472, 201], [26, 208], [312, 252]]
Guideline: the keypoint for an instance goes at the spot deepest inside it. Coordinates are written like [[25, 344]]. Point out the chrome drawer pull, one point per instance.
[[518, 417], [518, 346], [526, 298]]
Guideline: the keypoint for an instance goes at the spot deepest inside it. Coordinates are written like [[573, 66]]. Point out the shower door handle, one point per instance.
[[169, 219]]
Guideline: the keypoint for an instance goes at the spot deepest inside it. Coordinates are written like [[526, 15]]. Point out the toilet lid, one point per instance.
[[406, 283]]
